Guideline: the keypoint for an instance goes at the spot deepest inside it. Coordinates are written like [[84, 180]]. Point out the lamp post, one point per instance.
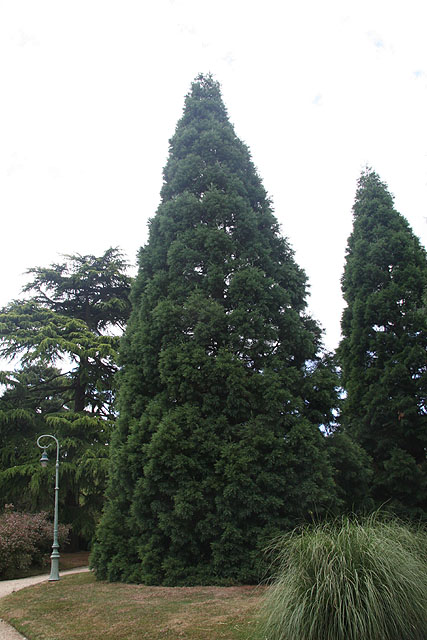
[[54, 558]]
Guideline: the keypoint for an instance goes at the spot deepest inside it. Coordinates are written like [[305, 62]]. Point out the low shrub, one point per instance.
[[349, 580], [25, 540]]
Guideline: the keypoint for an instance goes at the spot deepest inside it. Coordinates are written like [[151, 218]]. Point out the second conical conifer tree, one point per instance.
[[222, 390], [383, 349]]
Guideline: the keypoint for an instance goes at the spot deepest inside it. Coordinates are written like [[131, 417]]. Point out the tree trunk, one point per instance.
[[80, 387]]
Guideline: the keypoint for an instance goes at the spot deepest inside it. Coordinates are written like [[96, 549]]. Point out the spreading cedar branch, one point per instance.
[[36, 334], [93, 289], [77, 310]]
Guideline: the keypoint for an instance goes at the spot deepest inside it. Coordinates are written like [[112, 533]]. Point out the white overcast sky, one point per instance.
[[91, 91]]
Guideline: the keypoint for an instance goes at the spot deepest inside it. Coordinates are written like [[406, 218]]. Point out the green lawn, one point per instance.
[[77, 608]]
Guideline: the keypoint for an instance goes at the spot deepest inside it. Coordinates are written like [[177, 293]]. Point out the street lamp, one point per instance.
[[54, 558]]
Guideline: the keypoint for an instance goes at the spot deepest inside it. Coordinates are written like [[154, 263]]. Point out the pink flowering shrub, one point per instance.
[[25, 540]]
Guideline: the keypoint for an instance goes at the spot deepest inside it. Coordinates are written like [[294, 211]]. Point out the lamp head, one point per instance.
[[44, 459]]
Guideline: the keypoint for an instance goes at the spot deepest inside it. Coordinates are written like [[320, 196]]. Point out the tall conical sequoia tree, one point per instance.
[[383, 349], [222, 389]]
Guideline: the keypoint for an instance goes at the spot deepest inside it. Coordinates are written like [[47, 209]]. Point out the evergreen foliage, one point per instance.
[[223, 386], [74, 307], [383, 349], [77, 308], [352, 469]]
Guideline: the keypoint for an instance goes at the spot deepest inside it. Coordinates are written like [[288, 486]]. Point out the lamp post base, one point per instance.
[[54, 566]]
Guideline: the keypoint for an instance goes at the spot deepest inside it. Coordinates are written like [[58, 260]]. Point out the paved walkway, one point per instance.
[[9, 586]]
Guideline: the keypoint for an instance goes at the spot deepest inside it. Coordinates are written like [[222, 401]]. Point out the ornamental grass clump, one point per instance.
[[349, 580]]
